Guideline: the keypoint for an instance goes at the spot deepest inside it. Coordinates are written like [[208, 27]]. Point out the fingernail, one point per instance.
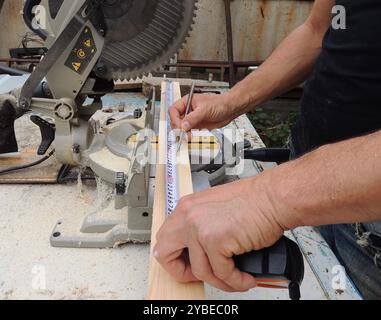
[[186, 126]]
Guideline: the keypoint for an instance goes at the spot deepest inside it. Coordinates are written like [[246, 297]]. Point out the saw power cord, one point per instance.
[[27, 166]]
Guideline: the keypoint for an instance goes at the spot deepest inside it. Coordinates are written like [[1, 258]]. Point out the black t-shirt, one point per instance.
[[342, 98]]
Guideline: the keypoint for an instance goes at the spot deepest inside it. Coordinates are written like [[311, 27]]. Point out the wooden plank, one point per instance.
[[196, 143], [43, 173], [161, 285], [149, 82], [128, 85]]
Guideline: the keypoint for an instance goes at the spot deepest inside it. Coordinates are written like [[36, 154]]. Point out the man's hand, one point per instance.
[[208, 111], [207, 229], [290, 64]]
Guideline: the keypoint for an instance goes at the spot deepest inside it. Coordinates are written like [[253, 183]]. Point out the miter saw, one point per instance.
[[92, 43]]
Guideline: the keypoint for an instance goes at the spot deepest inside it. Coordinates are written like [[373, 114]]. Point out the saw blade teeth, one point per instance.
[[156, 45]]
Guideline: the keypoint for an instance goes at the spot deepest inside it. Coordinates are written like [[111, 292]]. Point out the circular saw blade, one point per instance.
[[146, 37]]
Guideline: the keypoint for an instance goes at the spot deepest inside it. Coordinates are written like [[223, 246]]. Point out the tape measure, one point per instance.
[[171, 157]]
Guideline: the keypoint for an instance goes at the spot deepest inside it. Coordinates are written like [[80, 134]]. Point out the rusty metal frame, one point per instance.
[[210, 64], [229, 41]]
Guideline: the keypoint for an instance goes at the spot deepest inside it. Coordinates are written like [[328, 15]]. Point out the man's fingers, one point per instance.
[[172, 231], [170, 254], [224, 269], [181, 105], [170, 247], [177, 112], [195, 119], [201, 268], [176, 115], [176, 265]]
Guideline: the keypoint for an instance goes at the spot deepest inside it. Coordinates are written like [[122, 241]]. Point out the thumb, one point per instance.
[[194, 119]]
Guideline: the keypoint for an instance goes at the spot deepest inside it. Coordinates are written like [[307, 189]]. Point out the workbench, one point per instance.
[[31, 269]]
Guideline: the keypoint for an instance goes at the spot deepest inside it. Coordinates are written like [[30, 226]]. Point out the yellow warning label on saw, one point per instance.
[[76, 66], [82, 53], [88, 43]]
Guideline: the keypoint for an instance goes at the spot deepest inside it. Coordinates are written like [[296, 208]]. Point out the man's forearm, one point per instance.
[[289, 65], [338, 183]]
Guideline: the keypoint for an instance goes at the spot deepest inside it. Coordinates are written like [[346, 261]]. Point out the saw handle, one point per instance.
[[279, 266], [48, 132]]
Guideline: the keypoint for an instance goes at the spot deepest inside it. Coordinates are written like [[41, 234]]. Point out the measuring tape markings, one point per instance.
[[171, 157]]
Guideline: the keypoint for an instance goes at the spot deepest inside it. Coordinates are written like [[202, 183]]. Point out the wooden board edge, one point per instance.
[[161, 286]]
